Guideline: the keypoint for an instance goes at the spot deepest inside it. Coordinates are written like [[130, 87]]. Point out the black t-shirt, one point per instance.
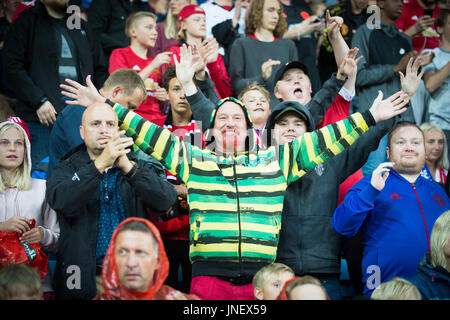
[[68, 66]]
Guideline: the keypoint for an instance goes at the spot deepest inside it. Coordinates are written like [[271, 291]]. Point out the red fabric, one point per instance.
[[113, 289], [126, 58], [217, 72], [212, 288], [442, 175], [255, 37], [13, 251], [173, 229], [189, 10], [338, 111], [21, 7], [21, 123], [412, 10]]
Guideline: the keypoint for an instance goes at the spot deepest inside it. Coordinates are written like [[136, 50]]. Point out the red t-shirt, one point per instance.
[[412, 11], [126, 58]]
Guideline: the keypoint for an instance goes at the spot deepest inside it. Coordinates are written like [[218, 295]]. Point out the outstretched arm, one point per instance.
[[312, 148], [161, 144]]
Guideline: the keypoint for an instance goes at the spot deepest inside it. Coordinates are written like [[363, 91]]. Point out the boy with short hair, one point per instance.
[[270, 279]]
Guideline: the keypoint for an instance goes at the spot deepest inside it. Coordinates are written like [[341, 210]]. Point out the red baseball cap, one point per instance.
[[188, 11]]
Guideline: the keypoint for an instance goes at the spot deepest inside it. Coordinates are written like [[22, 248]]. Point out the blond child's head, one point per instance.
[[270, 279], [396, 289]]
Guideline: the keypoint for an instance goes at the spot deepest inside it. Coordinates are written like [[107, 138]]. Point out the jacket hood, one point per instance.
[[281, 107], [110, 279], [20, 125], [433, 272], [251, 143]]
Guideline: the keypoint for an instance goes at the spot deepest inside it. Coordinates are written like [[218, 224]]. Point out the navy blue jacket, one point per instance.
[[395, 224], [432, 282], [65, 134]]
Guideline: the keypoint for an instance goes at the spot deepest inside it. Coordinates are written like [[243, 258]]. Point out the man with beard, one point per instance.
[[40, 51], [394, 209], [94, 188]]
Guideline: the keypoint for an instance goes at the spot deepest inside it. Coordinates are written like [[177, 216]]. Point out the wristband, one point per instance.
[[43, 100]]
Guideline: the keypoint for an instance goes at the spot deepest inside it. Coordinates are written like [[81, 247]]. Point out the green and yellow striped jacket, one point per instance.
[[236, 201]]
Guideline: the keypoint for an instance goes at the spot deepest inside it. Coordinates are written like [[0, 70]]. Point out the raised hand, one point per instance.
[[160, 59], [186, 67], [209, 50], [411, 81], [81, 95], [333, 24], [380, 174], [116, 147], [266, 68], [349, 64], [308, 26], [390, 107]]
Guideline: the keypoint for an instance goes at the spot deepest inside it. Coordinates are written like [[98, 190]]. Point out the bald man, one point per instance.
[[95, 187]]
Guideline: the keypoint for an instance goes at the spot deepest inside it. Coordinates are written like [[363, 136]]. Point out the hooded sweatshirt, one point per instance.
[[432, 282], [308, 243], [236, 200], [113, 288], [31, 204]]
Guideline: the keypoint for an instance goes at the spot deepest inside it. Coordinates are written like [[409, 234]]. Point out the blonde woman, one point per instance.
[[23, 198], [396, 289], [433, 278], [436, 154], [192, 19], [168, 29]]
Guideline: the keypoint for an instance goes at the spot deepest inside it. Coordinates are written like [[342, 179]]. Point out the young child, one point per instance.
[[396, 289], [20, 282], [269, 280], [141, 30], [303, 288]]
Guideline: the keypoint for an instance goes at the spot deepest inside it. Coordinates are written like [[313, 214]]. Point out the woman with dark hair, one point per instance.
[[255, 57]]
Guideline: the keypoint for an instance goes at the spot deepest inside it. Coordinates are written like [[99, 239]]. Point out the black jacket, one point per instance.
[[107, 20], [30, 60], [308, 242], [72, 191]]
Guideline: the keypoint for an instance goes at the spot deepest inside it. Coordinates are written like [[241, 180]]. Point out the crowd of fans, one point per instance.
[[225, 150]]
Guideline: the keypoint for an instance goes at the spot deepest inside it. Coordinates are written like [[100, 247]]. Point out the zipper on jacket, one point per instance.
[[239, 214], [423, 216]]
